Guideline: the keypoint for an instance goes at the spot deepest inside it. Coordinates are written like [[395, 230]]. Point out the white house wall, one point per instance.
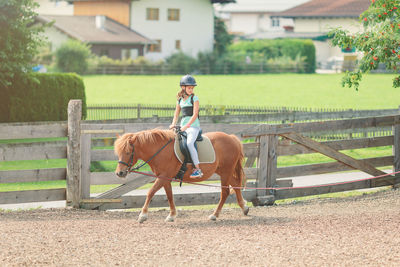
[[326, 53], [251, 23], [242, 23], [195, 29], [325, 24], [54, 7], [55, 37]]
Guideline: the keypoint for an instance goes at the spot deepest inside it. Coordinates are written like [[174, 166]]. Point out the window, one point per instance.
[[178, 44], [275, 22], [104, 52], [129, 53], [173, 14], [155, 47], [152, 13]]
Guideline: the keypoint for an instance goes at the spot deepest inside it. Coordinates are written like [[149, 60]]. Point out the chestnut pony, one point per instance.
[[131, 147]]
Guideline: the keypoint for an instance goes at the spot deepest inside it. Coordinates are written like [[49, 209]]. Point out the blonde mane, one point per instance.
[[122, 144]]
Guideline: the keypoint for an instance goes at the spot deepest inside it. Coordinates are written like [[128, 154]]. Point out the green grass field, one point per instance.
[[288, 90]]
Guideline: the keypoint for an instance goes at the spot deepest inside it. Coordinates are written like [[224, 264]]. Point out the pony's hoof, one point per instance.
[[246, 210], [170, 218], [212, 217], [142, 218]]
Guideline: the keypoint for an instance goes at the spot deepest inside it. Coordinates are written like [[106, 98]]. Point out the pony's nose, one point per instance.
[[120, 173]]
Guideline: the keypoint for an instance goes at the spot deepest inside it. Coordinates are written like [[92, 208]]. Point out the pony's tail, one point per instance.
[[238, 174]]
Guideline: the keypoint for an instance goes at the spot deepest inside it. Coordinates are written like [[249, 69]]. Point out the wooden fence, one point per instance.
[[270, 142], [41, 150], [228, 113], [226, 68]]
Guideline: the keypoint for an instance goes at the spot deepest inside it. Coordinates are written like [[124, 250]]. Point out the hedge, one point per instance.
[[278, 48], [40, 97]]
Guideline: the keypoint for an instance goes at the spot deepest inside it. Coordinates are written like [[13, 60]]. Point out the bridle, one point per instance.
[[130, 162]]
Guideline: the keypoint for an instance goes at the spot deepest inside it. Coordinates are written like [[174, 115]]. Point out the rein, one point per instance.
[[272, 189], [130, 163]]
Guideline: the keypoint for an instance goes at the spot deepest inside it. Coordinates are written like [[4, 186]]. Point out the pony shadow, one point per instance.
[[250, 220]]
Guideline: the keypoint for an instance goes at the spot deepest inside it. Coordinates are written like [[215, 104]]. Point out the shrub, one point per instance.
[[41, 97], [271, 49], [180, 63], [73, 56]]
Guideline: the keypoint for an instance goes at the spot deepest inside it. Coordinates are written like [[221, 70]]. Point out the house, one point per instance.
[[55, 7], [251, 17], [175, 25], [315, 19], [105, 36]]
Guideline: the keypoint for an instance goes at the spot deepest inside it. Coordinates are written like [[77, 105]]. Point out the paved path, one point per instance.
[[297, 181]]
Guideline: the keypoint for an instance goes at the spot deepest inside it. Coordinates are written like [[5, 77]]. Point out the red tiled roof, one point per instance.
[[328, 8]]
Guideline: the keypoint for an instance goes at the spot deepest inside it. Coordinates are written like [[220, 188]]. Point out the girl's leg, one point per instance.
[[192, 134]]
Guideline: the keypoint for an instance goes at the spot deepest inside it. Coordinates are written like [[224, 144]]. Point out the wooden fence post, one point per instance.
[[74, 153], [396, 144], [86, 147], [267, 167]]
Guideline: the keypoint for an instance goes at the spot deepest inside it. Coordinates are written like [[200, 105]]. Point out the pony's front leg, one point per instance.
[[172, 210], [156, 186]]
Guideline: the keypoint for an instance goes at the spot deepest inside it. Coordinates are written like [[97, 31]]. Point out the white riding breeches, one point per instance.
[[192, 133]]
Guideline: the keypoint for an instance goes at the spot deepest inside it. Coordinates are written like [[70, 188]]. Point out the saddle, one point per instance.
[[203, 146]]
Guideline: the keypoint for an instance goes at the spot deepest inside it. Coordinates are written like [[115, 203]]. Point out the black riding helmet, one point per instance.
[[188, 80]]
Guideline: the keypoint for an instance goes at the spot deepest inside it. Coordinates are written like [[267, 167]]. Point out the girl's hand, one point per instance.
[[184, 128], [172, 126]]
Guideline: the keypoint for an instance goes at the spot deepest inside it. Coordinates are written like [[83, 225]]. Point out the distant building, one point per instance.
[[251, 17], [314, 19], [105, 36], [175, 25], [55, 7]]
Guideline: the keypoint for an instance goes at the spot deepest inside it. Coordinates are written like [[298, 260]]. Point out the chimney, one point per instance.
[[100, 21]]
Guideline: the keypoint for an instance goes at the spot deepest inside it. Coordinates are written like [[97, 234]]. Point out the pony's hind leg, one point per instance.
[[172, 213], [241, 201]]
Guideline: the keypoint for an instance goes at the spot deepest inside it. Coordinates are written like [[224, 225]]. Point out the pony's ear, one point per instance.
[[117, 135]]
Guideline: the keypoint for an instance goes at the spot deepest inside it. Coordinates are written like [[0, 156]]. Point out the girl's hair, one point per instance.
[[181, 93]]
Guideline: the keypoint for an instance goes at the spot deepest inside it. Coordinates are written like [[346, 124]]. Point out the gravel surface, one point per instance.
[[360, 231]]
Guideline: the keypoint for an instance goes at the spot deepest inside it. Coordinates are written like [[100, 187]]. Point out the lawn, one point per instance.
[[289, 90]]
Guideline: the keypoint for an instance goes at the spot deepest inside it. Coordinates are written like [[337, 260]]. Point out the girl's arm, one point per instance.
[[176, 115], [194, 117]]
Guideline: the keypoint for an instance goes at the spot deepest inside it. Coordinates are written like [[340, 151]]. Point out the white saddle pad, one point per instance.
[[205, 150]]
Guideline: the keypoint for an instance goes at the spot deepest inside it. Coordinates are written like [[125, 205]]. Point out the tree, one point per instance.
[[18, 40], [222, 39], [73, 56], [379, 40]]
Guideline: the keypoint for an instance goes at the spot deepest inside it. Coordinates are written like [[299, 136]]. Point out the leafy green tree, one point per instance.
[[73, 56], [379, 40], [18, 40], [222, 39]]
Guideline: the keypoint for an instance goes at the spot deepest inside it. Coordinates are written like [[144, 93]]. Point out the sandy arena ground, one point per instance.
[[360, 231]]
